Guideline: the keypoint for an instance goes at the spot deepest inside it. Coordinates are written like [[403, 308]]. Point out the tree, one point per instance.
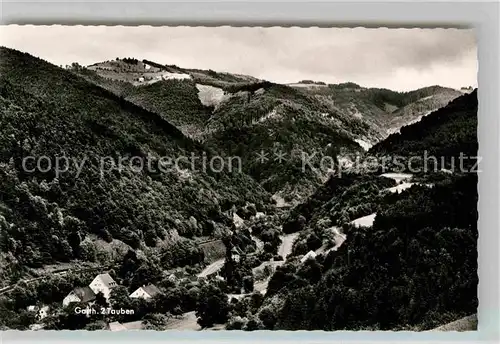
[[212, 307], [147, 272], [100, 300], [65, 251], [268, 318], [68, 319], [88, 251], [171, 300], [310, 270], [119, 298], [313, 242], [156, 321], [253, 324], [75, 66], [236, 323], [248, 284]]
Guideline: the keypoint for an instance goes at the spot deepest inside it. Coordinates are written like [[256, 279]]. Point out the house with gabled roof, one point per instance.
[[236, 254], [145, 292], [309, 255], [103, 283], [80, 294]]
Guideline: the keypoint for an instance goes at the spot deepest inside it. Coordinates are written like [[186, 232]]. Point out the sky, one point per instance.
[[397, 59]]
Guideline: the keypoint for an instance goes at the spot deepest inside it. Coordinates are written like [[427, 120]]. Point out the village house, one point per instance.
[[237, 220], [235, 254], [41, 312], [310, 254], [81, 294], [145, 292], [103, 283]]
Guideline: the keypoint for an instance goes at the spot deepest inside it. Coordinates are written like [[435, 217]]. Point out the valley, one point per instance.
[[271, 245]]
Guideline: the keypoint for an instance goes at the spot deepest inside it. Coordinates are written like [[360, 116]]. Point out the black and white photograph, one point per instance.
[[225, 178]]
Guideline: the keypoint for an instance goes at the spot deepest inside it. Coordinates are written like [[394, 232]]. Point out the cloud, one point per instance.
[[393, 58]]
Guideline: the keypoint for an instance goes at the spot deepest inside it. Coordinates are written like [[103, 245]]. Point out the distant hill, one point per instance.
[[384, 110], [446, 133], [51, 112], [244, 116], [239, 115]]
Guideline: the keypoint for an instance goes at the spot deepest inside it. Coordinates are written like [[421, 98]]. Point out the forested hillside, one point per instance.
[[248, 117], [175, 100], [443, 134], [446, 133], [414, 268], [384, 110], [50, 112], [281, 119], [245, 116]]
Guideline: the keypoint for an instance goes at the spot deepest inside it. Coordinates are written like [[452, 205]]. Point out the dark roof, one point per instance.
[[84, 293], [151, 289]]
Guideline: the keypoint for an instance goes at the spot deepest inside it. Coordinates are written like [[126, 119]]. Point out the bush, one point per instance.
[[212, 306], [268, 318], [253, 324], [236, 323]]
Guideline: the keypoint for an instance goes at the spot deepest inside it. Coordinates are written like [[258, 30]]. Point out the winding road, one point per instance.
[[284, 250], [212, 268]]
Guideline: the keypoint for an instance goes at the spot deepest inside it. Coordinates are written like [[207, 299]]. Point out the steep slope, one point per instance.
[[241, 116], [414, 269], [443, 134], [246, 117], [421, 103], [384, 110], [50, 113], [173, 95], [416, 266], [274, 119], [440, 137]]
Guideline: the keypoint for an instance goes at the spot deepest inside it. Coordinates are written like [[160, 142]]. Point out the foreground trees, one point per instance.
[[212, 306]]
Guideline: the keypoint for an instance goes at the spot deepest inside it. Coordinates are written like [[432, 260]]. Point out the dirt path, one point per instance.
[[365, 221], [398, 177], [186, 321], [339, 238], [286, 244]]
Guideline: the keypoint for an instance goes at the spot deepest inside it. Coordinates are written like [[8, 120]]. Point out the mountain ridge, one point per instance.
[[50, 112], [216, 107]]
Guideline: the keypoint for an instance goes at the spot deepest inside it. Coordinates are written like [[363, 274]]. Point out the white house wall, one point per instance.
[[98, 285], [140, 293], [70, 298]]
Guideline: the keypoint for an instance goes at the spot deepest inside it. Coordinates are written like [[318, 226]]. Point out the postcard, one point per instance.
[[238, 178]]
